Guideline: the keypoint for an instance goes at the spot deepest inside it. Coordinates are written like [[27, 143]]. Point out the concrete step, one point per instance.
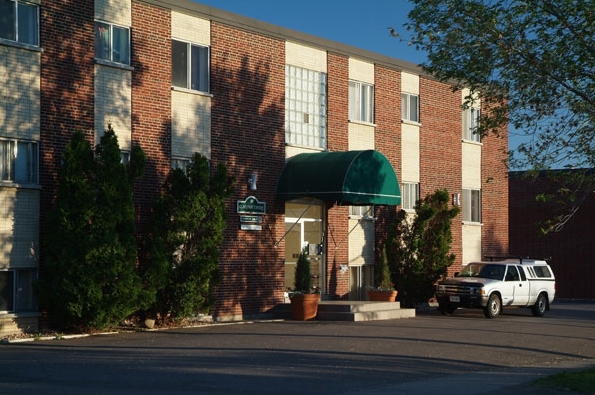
[[335, 310]]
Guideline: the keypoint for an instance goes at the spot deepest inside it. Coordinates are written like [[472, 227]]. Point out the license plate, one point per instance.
[[455, 299]]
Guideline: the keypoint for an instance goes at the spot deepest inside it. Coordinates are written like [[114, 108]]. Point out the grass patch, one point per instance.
[[581, 381]]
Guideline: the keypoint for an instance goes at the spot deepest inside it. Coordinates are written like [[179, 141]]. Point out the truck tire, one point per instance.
[[494, 307], [540, 306], [446, 309]]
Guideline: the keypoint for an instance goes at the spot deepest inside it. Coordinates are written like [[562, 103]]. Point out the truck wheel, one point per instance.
[[493, 308], [540, 306], [446, 309]]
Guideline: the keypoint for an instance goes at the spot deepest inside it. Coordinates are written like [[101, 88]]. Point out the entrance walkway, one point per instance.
[[350, 310]]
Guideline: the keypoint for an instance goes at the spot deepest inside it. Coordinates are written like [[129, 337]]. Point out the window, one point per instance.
[[180, 163], [18, 161], [16, 290], [470, 124], [361, 102], [19, 21], [471, 205], [305, 107], [409, 107], [512, 274], [410, 195], [112, 43], [361, 211], [190, 66]]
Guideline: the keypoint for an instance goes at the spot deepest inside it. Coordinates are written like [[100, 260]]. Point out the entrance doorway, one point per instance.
[[304, 232]]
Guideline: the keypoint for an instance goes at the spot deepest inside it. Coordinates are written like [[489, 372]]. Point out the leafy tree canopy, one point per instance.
[[532, 62]]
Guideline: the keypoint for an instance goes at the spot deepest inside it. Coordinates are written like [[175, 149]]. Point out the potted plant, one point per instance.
[[304, 300], [384, 291]]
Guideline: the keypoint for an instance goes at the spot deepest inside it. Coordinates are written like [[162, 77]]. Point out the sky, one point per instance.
[[362, 24]]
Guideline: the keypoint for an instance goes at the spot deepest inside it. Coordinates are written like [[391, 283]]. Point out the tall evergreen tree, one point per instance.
[[185, 234], [418, 248], [90, 277]]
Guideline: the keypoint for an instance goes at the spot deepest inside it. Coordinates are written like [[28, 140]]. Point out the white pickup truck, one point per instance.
[[494, 285]]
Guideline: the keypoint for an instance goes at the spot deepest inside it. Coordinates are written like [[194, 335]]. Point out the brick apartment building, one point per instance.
[[177, 77]]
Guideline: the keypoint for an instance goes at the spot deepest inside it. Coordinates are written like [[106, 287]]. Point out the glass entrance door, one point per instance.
[[304, 231]]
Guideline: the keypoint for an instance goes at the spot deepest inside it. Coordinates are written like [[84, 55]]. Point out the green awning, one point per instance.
[[350, 178]]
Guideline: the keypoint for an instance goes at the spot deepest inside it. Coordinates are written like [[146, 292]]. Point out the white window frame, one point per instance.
[[19, 290], [196, 61], [361, 211], [471, 205], [470, 124], [408, 113], [19, 161], [305, 107], [180, 163], [21, 26], [361, 102], [112, 49], [409, 195]]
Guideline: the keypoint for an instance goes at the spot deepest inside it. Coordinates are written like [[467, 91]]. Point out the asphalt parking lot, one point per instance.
[[464, 354]]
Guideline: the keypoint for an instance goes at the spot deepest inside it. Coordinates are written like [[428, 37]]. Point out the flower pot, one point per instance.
[[382, 296], [304, 306]]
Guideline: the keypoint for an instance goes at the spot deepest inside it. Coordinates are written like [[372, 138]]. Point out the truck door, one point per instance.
[[518, 285]]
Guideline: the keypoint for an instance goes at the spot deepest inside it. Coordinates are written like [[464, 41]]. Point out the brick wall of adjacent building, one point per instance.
[[570, 251]]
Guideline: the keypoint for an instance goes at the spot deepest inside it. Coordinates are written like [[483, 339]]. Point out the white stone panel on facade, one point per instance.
[[191, 124], [410, 153], [409, 83], [306, 57], [471, 243], [190, 28], [118, 12], [113, 103], [361, 242], [19, 228], [291, 151], [471, 166], [20, 93], [361, 71], [361, 137]]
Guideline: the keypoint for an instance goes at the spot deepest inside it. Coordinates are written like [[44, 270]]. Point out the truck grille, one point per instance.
[[457, 289]]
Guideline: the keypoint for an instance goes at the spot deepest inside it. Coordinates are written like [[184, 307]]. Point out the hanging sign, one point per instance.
[[251, 206]]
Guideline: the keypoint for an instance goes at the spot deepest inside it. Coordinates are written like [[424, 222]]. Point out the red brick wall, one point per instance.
[[571, 249], [387, 114], [151, 98], [494, 194], [248, 87], [441, 152], [337, 226], [67, 64]]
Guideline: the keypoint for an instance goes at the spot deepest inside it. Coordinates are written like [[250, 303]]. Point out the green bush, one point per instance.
[[418, 249], [303, 278], [184, 235], [89, 277]]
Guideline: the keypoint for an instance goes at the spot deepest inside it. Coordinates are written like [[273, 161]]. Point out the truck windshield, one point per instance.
[[485, 270]]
